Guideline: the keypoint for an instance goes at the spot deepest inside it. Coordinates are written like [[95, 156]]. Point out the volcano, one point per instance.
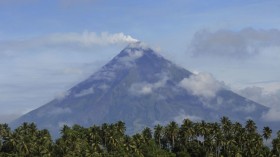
[[142, 89]]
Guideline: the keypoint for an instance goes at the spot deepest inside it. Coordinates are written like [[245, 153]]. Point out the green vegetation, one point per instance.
[[196, 139]]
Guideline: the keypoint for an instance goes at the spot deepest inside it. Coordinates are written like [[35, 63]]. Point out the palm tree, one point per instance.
[[94, 139], [276, 144], [113, 139], [203, 130], [158, 134], [43, 143], [129, 145], [27, 137], [218, 138], [11, 143], [267, 133], [137, 141], [4, 132], [68, 141], [212, 138], [250, 126], [241, 138], [147, 134], [186, 131], [230, 145], [104, 133], [171, 131], [120, 128], [226, 125]]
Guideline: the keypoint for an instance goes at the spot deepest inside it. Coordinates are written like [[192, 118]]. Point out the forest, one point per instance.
[[190, 139]]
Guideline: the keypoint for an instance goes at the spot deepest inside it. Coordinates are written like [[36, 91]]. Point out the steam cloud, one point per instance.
[[65, 40]]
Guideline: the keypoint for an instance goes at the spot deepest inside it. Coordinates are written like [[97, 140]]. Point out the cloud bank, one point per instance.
[[271, 100], [202, 84], [249, 108], [245, 43]]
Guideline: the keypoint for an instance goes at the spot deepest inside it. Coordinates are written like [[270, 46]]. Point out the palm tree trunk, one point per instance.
[[159, 142], [173, 142]]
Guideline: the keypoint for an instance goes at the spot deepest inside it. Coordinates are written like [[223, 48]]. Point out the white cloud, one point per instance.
[[144, 88], [182, 116], [138, 44], [130, 57], [202, 84], [245, 43], [269, 99], [85, 92], [61, 124], [62, 95], [104, 74], [214, 106], [259, 95], [141, 88], [246, 108], [133, 52], [91, 90], [160, 122], [90, 38], [272, 115]]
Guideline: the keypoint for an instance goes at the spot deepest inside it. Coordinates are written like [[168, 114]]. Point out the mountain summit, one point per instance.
[[142, 88]]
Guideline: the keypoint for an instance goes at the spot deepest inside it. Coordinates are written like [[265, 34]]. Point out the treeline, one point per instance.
[[195, 139]]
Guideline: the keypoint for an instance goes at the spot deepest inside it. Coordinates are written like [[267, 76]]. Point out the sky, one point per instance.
[[46, 47]]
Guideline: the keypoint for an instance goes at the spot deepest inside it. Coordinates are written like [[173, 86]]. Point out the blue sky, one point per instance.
[[48, 46]]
